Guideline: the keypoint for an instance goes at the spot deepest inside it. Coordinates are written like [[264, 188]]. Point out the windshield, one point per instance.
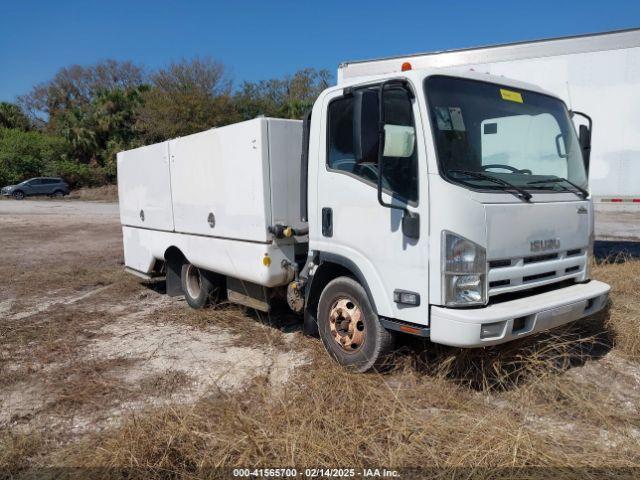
[[522, 138]]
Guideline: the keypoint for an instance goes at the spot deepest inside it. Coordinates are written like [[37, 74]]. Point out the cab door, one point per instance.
[[352, 225]]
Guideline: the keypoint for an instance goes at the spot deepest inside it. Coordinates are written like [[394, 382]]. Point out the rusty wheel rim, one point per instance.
[[346, 324]]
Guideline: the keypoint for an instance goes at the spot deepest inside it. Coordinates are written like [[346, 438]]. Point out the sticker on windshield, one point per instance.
[[456, 119], [443, 118], [510, 95]]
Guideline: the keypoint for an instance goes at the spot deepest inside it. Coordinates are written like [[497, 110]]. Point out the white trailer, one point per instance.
[[442, 203], [597, 73]]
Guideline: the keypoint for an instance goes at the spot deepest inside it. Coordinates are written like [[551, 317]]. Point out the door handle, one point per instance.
[[327, 222]]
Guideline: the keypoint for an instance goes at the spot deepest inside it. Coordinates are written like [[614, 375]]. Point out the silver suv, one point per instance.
[[52, 186]]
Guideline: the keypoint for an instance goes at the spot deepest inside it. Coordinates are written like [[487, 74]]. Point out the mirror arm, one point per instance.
[[584, 115]]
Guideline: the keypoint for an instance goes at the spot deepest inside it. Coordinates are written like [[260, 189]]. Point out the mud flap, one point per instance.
[[310, 325], [174, 271]]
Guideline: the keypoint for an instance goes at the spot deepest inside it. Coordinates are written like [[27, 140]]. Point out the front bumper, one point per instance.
[[517, 318]]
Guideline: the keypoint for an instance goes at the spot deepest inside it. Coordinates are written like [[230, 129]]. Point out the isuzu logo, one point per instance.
[[544, 245]]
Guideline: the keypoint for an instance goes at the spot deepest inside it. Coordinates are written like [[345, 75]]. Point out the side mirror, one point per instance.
[[411, 224], [366, 119], [584, 137]]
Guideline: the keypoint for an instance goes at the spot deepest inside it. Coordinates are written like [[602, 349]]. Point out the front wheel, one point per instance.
[[19, 195], [349, 327], [197, 287]]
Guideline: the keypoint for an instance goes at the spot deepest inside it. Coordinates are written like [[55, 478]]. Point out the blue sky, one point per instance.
[[265, 39]]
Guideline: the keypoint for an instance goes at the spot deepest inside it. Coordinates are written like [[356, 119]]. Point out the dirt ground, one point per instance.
[[97, 368], [74, 325]]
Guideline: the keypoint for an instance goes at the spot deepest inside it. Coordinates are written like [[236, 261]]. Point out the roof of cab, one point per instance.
[[417, 76]]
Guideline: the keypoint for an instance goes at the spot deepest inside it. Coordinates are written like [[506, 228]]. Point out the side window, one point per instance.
[[34, 183], [400, 164], [340, 154]]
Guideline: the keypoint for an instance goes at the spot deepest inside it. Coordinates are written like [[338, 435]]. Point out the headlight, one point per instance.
[[464, 271]]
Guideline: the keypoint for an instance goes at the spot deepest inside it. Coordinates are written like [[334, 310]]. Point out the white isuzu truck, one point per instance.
[[444, 203]]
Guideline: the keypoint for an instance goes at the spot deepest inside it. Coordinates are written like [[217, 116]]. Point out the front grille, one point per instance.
[[531, 271], [499, 263], [538, 276], [539, 258]]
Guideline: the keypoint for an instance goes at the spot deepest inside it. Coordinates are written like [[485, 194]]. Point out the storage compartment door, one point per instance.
[[144, 187], [220, 182]]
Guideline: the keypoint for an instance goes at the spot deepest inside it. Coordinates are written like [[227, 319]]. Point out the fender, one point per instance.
[[323, 274], [350, 265]]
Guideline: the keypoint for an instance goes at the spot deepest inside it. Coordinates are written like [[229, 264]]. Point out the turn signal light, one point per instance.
[[406, 66]]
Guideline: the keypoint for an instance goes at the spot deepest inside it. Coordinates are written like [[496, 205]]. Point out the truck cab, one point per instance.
[[478, 231]]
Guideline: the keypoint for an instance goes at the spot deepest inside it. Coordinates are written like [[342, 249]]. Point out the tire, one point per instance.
[[58, 194], [349, 327], [18, 195], [197, 287]]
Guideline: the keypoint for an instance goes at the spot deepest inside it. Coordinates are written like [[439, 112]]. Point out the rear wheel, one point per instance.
[[198, 289], [18, 195], [58, 194], [349, 327]]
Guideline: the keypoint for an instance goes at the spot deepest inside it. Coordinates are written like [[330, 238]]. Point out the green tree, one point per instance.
[[114, 113], [12, 116], [78, 127], [75, 87], [27, 154], [184, 98], [289, 97]]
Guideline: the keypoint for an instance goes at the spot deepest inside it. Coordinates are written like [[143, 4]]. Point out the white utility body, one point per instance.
[[214, 194], [478, 231]]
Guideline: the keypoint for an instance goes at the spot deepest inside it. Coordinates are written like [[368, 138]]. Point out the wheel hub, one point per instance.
[[193, 282], [346, 324]]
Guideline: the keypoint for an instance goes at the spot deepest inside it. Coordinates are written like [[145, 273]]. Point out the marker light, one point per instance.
[[266, 260], [406, 66]]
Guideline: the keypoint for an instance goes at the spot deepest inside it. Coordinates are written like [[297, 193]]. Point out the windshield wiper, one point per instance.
[[579, 191], [522, 194]]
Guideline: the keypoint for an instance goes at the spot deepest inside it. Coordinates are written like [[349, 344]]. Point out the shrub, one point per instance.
[[77, 174], [27, 154]]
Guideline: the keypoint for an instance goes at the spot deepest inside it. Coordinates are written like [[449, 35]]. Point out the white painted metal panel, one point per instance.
[[144, 187], [222, 174], [235, 258], [494, 53], [285, 146]]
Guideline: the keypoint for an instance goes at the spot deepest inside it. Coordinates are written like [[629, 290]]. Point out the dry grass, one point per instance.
[[333, 418], [543, 402], [106, 193], [567, 399], [624, 316]]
